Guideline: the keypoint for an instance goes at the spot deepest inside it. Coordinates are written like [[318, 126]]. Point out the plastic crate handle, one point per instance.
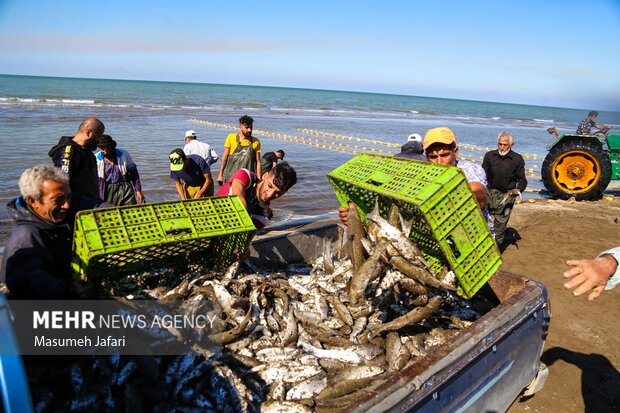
[[175, 232], [178, 227]]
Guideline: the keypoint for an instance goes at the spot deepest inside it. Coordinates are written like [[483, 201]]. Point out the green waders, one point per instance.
[[500, 211], [121, 193], [243, 157]]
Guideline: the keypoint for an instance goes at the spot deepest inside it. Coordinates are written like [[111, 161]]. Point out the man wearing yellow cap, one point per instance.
[[440, 147]]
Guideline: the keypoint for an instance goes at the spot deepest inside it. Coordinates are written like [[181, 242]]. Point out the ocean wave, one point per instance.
[[258, 109], [48, 100]]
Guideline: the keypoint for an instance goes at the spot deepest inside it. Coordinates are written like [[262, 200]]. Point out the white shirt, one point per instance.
[[195, 147]]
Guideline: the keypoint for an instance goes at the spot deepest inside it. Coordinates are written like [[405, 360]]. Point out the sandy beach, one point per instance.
[[583, 346]]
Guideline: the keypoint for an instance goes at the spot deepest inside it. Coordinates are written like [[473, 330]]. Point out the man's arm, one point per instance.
[[480, 193], [220, 176], [522, 183], [597, 275], [134, 178], [180, 189], [258, 165], [67, 160], [237, 188], [603, 126], [201, 192], [486, 164]]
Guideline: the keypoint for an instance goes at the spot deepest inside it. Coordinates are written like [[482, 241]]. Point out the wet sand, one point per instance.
[[583, 346]]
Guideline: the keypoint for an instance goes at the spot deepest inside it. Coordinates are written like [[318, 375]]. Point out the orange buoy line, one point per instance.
[[349, 138], [319, 143], [345, 147], [532, 156]]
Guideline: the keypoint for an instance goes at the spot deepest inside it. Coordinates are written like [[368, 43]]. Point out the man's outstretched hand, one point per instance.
[[589, 275]]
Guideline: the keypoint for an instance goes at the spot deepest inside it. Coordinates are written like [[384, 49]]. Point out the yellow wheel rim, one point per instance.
[[576, 171]]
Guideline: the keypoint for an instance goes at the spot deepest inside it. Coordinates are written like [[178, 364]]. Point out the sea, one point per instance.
[[318, 129]]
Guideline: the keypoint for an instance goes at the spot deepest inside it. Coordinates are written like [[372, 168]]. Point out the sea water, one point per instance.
[[149, 119]]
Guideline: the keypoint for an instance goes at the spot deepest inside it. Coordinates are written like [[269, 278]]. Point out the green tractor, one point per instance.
[[581, 166]]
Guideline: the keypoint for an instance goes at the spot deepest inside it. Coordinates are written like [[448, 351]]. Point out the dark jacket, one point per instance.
[[268, 159], [36, 263], [505, 172], [412, 150], [79, 163]]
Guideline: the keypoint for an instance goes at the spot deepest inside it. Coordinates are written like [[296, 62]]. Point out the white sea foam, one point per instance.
[[48, 101], [543, 120]]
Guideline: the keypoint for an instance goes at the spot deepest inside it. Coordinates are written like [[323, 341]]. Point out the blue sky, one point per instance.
[[552, 53]]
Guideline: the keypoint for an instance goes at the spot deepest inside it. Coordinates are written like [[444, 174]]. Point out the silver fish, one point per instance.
[[369, 270], [419, 274], [414, 316], [355, 354], [286, 373], [307, 389], [405, 247]]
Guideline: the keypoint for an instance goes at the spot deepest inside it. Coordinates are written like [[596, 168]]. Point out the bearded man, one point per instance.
[[505, 171]]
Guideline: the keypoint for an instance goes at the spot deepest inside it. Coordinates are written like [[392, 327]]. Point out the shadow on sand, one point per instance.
[[600, 381], [511, 237]]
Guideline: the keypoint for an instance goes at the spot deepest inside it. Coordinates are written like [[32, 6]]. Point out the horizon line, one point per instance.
[[295, 87]]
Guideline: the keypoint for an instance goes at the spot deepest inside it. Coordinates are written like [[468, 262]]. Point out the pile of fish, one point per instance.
[[304, 339]]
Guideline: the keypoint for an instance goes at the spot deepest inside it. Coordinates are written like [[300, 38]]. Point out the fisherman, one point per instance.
[[191, 174], [440, 148], [36, 263], [75, 156], [413, 149], [585, 126], [241, 150], [194, 147], [599, 274], [256, 194], [270, 159], [505, 170], [119, 180]]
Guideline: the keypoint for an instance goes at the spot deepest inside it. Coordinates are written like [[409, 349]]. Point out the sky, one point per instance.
[[561, 53]]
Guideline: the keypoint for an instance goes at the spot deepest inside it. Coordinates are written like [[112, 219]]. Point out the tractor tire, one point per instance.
[[577, 168]]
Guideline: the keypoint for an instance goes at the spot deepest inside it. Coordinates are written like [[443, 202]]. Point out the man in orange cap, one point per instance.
[[440, 147]]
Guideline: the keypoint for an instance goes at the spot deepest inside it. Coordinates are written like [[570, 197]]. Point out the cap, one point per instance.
[[412, 150], [177, 159], [282, 152], [190, 133], [439, 135], [414, 137]]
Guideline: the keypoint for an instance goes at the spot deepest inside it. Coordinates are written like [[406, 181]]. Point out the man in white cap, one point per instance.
[[413, 149], [194, 147]]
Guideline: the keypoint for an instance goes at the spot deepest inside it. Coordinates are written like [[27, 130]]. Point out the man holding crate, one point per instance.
[[36, 263]]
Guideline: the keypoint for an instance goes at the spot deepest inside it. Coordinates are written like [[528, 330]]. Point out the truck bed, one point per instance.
[[485, 368]]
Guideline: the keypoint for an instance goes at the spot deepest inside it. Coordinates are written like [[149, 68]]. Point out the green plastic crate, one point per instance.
[[113, 242], [449, 228]]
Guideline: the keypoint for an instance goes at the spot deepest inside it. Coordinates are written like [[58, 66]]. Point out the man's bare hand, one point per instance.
[[589, 275], [343, 213]]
